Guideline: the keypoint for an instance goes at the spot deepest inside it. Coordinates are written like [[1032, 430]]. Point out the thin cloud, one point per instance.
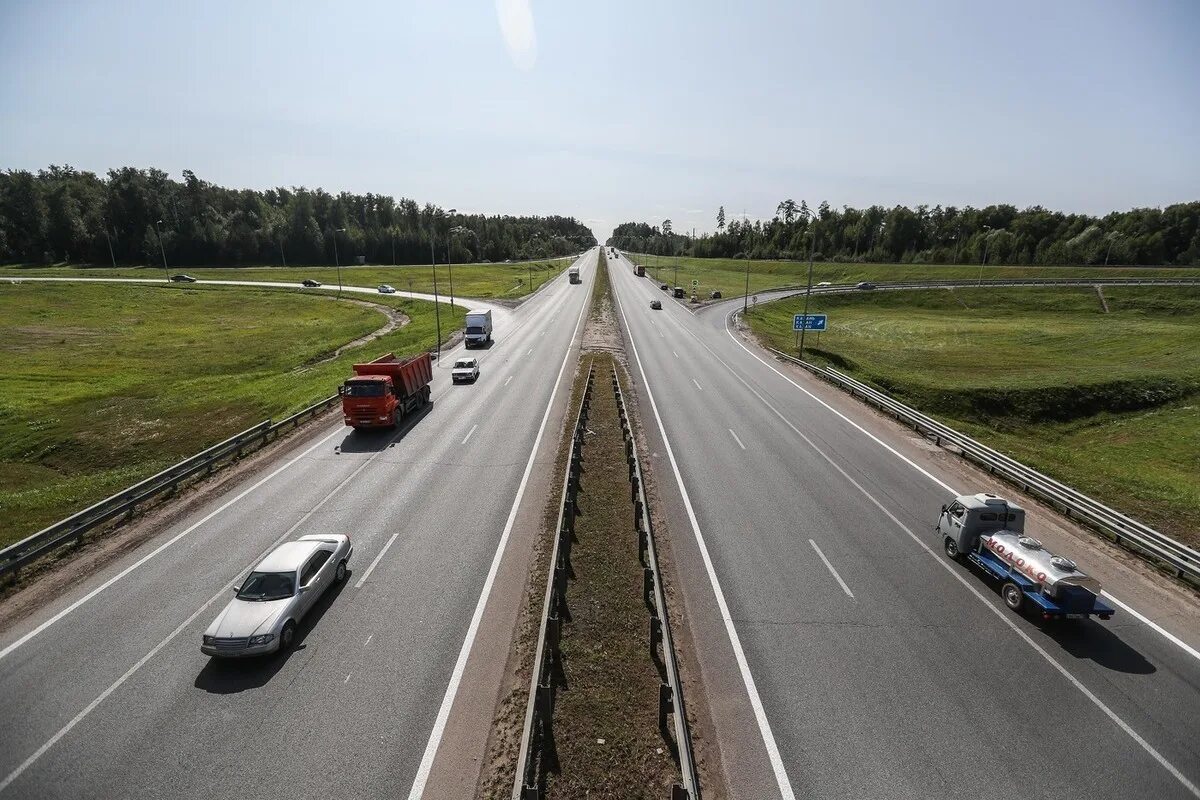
[[516, 24]]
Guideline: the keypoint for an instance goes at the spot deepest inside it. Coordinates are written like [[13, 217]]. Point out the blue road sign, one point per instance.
[[811, 322]]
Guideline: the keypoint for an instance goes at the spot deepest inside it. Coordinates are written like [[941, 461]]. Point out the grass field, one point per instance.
[[501, 281], [101, 386], [729, 275], [1107, 402]]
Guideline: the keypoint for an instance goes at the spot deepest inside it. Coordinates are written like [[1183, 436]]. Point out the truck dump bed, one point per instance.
[[409, 375]]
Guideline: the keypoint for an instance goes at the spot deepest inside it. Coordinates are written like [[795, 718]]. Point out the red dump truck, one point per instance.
[[381, 393]]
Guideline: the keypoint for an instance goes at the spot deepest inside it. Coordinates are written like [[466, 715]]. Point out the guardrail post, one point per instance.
[[678, 792], [664, 704]]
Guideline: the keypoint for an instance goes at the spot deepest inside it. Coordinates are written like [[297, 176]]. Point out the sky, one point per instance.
[[621, 111]]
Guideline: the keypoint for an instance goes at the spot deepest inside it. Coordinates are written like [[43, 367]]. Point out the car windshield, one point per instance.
[[365, 389], [267, 586], [463, 364]]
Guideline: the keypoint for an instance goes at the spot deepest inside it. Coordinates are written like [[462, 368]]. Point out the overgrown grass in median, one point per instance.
[[1106, 402], [728, 275], [501, 281], [102, 385]]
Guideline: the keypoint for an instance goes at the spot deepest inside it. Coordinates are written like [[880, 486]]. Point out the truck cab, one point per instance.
[[988, 532], [573, 275]]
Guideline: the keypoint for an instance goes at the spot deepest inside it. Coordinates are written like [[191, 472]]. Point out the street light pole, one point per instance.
[[337, 259], [987, 239], [437, 306], [449, 260], [162, 249], [808, 291]]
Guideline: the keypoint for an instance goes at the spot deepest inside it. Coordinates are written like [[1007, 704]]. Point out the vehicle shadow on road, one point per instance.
[[233, 675], [374, 440], [1088, 639]]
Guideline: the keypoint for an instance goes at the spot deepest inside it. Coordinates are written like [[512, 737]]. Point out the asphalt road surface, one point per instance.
[[105, 693], [864, 663]]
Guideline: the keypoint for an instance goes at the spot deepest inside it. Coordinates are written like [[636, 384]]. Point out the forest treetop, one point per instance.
[[61, 214], [997, 234]]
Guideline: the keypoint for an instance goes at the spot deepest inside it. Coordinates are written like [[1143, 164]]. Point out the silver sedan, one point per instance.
[[266, 608]]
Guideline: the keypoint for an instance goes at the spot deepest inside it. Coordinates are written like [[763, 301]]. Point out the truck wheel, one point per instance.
[[1014, 598], [951, 547]]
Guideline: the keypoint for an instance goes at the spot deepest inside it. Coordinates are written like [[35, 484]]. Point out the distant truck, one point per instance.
[[479, 328], [678, 291], [989, 532], [640, 270], [384, 391], [573, 275]]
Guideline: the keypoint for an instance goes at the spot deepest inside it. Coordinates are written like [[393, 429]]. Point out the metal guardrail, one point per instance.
[[536, 754], [670, 690], [1180, 559], [125, 502]]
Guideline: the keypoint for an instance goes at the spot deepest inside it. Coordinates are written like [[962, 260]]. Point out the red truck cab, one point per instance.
[[383, 392]]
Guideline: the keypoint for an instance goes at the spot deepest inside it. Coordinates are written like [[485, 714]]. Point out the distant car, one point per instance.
[[716, 295], [824, 283], [656, 304], [679, 291], [465, 369], [385, 289], [310, 283], [864, 285], [664, 287], [182, 278], [282, 588]]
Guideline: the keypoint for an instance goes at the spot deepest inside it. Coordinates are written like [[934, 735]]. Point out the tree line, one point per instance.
[[997, 234], [134, 216]]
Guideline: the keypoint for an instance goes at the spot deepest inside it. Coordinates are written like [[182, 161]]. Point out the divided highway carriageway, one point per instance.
[[839, 653], [104, 693], [844, 656]]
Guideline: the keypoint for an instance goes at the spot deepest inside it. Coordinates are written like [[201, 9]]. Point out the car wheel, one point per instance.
[[1014, 598], [951, 547], [340, 575], [287, 636]]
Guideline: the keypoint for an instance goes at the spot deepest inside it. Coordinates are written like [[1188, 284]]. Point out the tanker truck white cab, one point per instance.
[[988, 532], [479, 328]]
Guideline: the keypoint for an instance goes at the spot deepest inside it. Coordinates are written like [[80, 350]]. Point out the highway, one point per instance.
[[105, 693], [844, 656]]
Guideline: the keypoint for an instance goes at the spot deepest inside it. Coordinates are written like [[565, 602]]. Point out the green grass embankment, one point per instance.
[[1107, 402], [101, 386], [501, 281], [728, 275]]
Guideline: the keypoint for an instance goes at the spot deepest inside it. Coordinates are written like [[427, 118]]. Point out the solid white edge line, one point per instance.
[[760, 714], [375, 562], [1000, 614], [863, 430], [1154, 626], [81, 601], [468, 436], [64, 730], [439, 725], [736, 439], [832, 571], [1187, 648]]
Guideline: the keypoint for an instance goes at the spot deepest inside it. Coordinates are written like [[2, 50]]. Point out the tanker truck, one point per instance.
[[989, 532], [383, 392]]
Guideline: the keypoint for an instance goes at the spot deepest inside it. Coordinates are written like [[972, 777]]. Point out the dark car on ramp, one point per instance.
[[310, 283], [182, 278]]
